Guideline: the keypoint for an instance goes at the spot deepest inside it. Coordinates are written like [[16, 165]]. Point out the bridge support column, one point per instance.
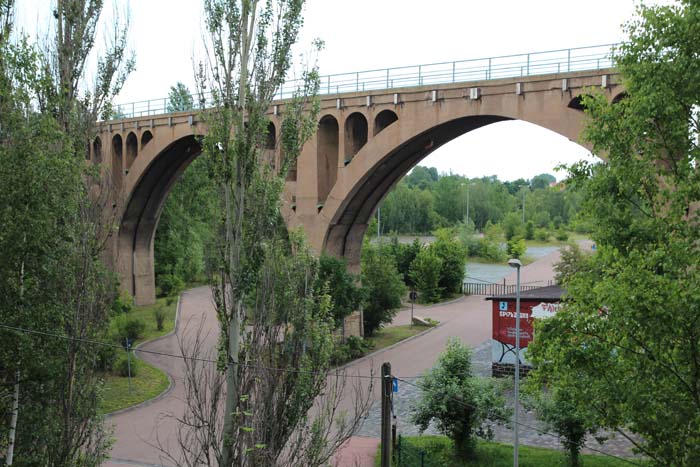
[[144, 276]]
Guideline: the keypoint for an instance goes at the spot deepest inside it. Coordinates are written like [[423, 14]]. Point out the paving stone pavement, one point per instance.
[[530, 428]]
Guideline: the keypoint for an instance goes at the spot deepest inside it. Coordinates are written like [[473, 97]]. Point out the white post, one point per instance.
[[13, 422], [517, 367]]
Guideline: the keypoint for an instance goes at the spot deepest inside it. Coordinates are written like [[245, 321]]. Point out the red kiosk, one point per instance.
[[535, 304]]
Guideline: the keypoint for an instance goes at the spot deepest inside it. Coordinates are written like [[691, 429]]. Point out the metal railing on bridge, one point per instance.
[[491, 289], [505, 66]]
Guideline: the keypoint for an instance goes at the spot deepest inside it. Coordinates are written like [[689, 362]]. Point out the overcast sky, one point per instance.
[[368, 34]]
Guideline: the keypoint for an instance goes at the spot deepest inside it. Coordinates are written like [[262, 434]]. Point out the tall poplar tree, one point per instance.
[[275, 331]]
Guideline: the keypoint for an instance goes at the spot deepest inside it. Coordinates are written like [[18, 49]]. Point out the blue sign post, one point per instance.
[[394, 385]]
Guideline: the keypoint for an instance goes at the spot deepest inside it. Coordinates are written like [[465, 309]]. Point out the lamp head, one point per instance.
[[514, 263]]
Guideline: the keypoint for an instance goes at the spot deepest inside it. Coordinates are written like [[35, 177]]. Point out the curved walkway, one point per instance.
[[468, 318]]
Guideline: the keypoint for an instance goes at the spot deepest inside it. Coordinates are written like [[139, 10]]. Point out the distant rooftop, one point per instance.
[[549, 293]]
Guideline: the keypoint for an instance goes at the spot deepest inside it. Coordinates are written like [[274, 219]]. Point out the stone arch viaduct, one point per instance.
[[365, 143]]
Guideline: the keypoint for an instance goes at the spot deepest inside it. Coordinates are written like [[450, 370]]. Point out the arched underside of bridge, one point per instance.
[[140, 218], [348, 225]]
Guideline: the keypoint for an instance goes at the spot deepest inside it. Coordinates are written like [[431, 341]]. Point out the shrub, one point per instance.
[[541, 235], [382, 286], [561, 235], [106, 356], [529, 230], [130, 327], [170, 284], [335, 280], [124, 303], [121, 366], [353, 347], [425, 272], [512, 225], [460, 403], [515, 248], [159, 315], [453, 256]]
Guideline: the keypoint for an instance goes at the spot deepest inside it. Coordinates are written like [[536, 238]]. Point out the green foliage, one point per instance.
[[404, 254], [452, 256], [185, 230], [541, 181], [52, 234], [438, 451], [573, 261], [169, 284], [561, 415], [127, 327], [383, 286], [458, 402], [515, 248], [529, 230], [124, 303], [159, 315], [179, 99], [512, 226], [123, 366], [625, 345], [425, 273], [562, 235], [541, 235], [353, 348], [335, 280]]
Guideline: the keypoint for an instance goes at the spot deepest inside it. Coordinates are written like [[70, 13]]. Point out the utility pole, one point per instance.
[[386, 387], [379, 225]]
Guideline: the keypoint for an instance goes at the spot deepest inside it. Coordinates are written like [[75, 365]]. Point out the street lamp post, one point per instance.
[[515, 263]]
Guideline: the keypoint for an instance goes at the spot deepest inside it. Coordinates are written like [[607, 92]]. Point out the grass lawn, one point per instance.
[[391, 335], [150, 381], [146, 314], [438, 452]]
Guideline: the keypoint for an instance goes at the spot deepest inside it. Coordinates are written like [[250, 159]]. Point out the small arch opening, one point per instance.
[[327, 145], [577, 102], [131, 149], [620, 97], [271, 137], [117, 164], [96, 151], [355, 135], [383, 120], [146, 137]]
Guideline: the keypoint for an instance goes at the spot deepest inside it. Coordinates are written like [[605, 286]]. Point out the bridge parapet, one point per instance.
[[506, 66]]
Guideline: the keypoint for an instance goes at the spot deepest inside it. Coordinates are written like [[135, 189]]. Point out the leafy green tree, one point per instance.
[[453, 257], [460, 403], [404, 254], [422, 177], [542, 181], [52, 235], [425, 273], [529, 230], [626, 344], [561, 415], [515, 247], [335, 280], [263, 275], [384, 288], [179, 98], [512, 226]]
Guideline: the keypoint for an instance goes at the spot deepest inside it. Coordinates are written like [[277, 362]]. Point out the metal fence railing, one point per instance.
[[490, 289], [506, 66]]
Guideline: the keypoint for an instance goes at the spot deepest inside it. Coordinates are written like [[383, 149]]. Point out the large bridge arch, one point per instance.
[[148, 184]]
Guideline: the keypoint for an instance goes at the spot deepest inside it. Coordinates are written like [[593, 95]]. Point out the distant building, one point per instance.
[[535, 304]]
